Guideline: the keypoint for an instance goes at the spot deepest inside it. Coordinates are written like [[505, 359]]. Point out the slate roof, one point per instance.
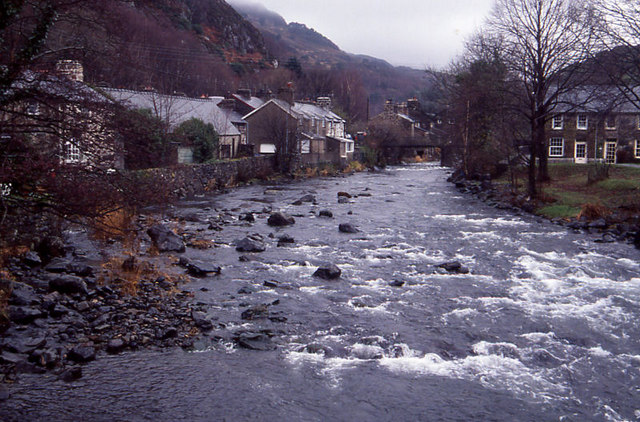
[[306, 110], [176, 109], [596, 99]]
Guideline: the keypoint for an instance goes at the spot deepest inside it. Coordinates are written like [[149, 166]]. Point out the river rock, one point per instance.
[[255, 341], [328, 272], [71, 374], [347, 228], [115, 346], [57, 265], [201, 321], [25, 345], [255, 312], [82, 354], [248, 217], [280, 219], [344, 195], [305, 199], [51, 247], [32, 259], [249, 244], [396, 283], [165, 239], [343, 200], [68, 284], [201, 270], [25, 314], [4, 393], [453, 267], [325, 213], [23, 295], [285, 240]]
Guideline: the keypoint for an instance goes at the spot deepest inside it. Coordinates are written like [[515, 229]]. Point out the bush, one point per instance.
[[202, 136], [594, 211]]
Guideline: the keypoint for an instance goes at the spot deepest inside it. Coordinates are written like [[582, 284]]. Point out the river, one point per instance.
[[544, 327]]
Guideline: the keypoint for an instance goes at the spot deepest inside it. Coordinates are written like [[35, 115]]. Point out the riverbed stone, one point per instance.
[[255, 312], [25, 314], [23, 295], [82, 354], [71, 374], [280, 219], [325, 213], [165, 239], [251, 245], [57, 265], [453, 267], [32, 259], [248, 217], [255, 341], [68, 284], [285, 240], [328, 272], [115, 346], [201, 270], [348, 228]]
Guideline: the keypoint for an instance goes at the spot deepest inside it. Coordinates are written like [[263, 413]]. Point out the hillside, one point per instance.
[[380, 79]]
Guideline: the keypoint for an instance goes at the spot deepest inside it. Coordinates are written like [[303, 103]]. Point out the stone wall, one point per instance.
[[191, 180]]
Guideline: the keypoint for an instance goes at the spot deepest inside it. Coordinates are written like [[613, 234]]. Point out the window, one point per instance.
[[582, 122], [637, 150], [556, 147], [557, 122], [267, 149], [350, 146], [610, 122], [305, 146], [70, 152]]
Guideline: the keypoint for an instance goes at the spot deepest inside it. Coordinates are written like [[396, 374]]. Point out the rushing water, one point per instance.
[[545, 326]]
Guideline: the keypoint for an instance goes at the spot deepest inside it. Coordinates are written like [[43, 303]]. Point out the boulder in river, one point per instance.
[[165, 239], [201, 270], [280, 219], [82, 354], [325, 213], [454, 267], [255, 341], [249, 244], [68, 284], [328, 272], [347, 228]]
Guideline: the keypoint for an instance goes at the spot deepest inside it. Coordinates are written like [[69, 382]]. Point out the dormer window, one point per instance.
[[557, 122], [582, 122]]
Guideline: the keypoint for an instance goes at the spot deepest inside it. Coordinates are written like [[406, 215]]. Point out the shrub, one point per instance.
[[594, 211]]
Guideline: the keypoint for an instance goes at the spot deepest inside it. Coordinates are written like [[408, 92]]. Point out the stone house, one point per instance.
[[309, 130], [63, 113], [174, 110], [601, 127]]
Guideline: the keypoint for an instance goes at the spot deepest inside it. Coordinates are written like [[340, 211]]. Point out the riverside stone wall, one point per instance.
[[191, 180]]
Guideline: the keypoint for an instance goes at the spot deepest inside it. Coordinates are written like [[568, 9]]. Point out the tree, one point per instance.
[[543, 41], [202, 136], [144, 137]]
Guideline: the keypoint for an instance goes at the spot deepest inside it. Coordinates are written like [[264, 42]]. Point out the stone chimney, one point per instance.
[[388, 107], [402, 108], [324, 102], [413, 103], [286, 93], [227, 104], [245, 93], [71, 69]]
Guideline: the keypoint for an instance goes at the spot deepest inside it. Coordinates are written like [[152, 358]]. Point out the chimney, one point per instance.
[[403, 109], [413, 104], [286, 93], [71, 69], [324, 102], [388, 106], [245, 93], [227, 104]]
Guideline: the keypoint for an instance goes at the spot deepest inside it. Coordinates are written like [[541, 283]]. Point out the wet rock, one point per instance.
[[23, 295], [51, 247], [68, 284], [81, 269], [201, 321], [271, 284], [396, 283], [58, 310], [115, 346], [328, 272], [170, 332], [71, 374], [50, 300], [255, 341], [248, 217], [316, 349], [636, 240], [4, 393], [285, 240], [57, 265], [344, 195], [606, 238], [453, 267], [255, 312], [600, 223], [215, 226], [25, 314], [32, 259], [305, 199], [251, 245], [82, 354], [280, 219], [25, 346], [8, 358], [166, 240], [343, 200], [347, 228], [246, 290], [48, 358], [325, 213], [200, 270]]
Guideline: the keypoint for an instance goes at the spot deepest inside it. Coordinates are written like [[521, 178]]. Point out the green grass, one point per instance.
[[619, 185], [559, 211]]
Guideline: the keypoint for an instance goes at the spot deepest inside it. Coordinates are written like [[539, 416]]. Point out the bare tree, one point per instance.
[[543, 41]]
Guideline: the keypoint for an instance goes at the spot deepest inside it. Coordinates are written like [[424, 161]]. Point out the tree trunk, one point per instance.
[[532, 187]]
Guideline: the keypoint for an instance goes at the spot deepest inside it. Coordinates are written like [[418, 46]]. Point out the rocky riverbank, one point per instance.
[[615, 227]]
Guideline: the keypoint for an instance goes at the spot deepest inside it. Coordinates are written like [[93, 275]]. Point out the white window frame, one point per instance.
[[557, 122], [71, 153], [637, 150], [608, 159], [305, 146], [558, 149], [268, 149], [585, 124], [606, 123]]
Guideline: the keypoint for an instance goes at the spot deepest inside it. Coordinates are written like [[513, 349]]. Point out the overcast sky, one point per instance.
[[414, 33]]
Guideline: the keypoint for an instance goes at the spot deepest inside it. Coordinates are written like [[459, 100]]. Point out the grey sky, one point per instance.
[[414, 33]]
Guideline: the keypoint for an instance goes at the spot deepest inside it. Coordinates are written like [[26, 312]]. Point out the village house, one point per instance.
[[65, 114], [311, 131], [594, 125], [174, 110]]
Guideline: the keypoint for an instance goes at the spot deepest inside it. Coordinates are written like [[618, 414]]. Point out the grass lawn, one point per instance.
[[568, 192]]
